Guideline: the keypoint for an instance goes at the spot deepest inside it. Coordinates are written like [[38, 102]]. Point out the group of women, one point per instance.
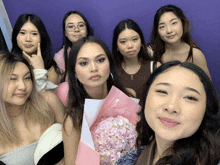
[[179, 120]]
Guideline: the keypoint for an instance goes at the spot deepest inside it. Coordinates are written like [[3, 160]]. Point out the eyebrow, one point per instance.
[[186, 88], [167, 84], [127, 38], [85, 58], [24, 75], [192, 89], [31, 31], [77, 23], [169, 21]]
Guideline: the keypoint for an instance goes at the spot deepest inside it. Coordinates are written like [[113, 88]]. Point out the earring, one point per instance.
[[112, 76]]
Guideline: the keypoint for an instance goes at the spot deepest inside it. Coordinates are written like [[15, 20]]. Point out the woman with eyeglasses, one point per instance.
[[75, 26]]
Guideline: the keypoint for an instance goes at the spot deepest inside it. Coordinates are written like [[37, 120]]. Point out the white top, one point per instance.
[[42, 84]]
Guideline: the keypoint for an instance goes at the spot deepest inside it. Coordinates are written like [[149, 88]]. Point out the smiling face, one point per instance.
[[170, 28], [75, 28], [92, 65], [129, 43], [28, 38], [175, 105], [19, 86]]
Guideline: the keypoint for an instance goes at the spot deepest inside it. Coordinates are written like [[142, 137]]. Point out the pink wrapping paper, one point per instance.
[[116, 103]]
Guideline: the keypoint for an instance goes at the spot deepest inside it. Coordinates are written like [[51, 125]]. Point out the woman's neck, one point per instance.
[[162, 148], [14, 111], [131, 66], [99, 92], [175, 46], [130, 62]]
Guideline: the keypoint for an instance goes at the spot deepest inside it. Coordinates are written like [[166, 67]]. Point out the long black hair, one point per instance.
[[158, 45], [201, 148], [143, 55], [77, 93], [45, 42]]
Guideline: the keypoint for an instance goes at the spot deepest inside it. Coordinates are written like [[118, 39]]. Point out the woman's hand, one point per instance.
[[35, 60]]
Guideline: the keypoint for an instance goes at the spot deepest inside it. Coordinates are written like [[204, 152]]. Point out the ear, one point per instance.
[[75, 75]]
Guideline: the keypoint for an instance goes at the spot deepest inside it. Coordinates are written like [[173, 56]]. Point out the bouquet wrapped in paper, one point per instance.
[[108, 129]]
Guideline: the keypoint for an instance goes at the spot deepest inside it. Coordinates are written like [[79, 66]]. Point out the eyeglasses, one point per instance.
[[72, 27]]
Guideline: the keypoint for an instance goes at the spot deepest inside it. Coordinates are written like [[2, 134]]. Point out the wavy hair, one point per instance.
[[77, 93], [143, 55], [36, 109], [201, 148], [158, 45], [66, 42], [45, 41]]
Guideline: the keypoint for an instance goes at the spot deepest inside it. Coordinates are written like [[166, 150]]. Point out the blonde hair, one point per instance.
[[36, 108]]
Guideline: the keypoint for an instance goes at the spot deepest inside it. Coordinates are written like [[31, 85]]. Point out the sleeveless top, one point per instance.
[[136, 81], [21, 156]]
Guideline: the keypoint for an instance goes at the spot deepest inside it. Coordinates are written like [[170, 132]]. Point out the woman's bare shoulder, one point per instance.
[[200, 60]]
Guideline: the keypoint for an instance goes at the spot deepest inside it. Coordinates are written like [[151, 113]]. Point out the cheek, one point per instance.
[[106, 69], [19, 40], [80, 73], [85, 33], [7, 90], [119, 47], [38, 40], [160, 34], [30, 85]]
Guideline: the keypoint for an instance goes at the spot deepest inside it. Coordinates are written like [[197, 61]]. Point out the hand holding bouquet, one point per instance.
[[108, 129]]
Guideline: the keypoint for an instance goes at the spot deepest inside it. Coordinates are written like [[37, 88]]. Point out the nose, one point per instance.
[[169, 29], [28, 37], [130, 45], [76, 29], [94, 67], [172, 105], [21, 85]]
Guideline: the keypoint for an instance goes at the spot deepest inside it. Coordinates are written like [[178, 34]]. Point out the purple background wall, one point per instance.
[[104, 15]]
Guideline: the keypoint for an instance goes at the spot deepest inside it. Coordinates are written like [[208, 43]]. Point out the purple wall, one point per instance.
[[105, 15]]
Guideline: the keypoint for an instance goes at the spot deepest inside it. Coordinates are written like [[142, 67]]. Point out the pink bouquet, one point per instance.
[[114, 137], [120, 110]]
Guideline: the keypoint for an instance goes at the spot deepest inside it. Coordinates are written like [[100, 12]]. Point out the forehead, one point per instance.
[[127, 33], [90, 50], [29, 26], [74, 18], [180, 77], [167, 16], [20, 69]]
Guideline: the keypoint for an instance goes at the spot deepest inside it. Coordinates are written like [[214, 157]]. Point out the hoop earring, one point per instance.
[[111, 76]]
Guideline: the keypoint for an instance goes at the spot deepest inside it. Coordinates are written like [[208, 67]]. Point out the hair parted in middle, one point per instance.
[[143, 55], [45, 42], [158, 45]]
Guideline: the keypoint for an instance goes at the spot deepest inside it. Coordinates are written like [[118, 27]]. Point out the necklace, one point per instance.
[[132, 75]]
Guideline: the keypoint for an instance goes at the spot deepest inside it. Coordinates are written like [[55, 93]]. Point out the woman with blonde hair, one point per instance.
[[25, 114]]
